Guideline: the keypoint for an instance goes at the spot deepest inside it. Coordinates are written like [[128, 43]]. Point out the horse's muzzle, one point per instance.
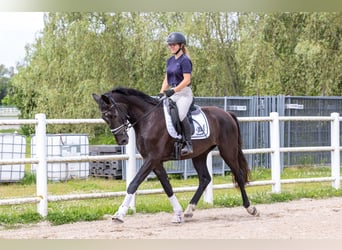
[[123, 142], [122, 139]]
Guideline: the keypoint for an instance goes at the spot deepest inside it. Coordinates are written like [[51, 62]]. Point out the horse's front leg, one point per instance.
[[161, 174], [132, 188]]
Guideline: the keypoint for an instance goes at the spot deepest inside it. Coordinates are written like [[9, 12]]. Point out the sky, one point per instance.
[[17, 29]]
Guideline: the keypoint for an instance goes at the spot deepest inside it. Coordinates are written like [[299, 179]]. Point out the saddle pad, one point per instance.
[[200, 121]]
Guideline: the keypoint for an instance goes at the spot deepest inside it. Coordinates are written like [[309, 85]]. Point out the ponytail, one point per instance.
[[185, 50]]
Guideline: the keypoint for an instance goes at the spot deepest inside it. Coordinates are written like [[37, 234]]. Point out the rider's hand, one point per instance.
[[169, 92], [160, 95]]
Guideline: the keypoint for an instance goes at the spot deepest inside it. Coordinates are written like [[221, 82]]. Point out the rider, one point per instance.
[[176, 84]]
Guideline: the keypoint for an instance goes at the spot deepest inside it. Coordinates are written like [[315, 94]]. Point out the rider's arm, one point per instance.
[[165, 85], [186, 81]]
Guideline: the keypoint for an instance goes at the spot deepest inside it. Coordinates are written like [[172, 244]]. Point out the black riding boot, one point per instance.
[[187, 149]]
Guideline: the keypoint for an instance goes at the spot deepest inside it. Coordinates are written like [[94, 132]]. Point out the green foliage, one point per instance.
[[78, 54], [5, 75], [290, 53], [61, 215], [18, 218], [105, 138], [29, 178]]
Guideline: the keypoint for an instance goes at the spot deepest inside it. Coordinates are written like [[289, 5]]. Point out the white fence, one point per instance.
[[42, 198]]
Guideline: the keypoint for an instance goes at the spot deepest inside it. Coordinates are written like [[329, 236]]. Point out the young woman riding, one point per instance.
[[177, 82]]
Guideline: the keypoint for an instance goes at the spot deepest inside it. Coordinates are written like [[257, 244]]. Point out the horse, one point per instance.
[[122, 108]]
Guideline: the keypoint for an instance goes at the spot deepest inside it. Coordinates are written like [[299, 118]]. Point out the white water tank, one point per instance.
[[12, 146], [64, 145]]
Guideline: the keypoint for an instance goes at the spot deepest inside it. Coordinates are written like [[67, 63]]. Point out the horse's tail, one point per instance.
[[244, 169]]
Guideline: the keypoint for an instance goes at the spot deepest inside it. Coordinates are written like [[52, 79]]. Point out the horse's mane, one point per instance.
[[137, 93]]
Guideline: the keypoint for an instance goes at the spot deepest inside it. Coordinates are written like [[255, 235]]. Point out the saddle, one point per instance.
[[198, 123], [173, 112]]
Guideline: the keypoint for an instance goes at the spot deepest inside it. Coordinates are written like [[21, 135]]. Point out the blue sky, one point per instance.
[[16, 30]]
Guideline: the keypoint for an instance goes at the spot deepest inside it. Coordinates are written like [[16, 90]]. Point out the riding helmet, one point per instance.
[[176, 37]]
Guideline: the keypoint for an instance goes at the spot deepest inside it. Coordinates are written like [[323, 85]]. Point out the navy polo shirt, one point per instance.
[[175, 68]]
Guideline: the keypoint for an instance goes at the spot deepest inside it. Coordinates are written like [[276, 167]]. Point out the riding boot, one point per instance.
[[187, 149]]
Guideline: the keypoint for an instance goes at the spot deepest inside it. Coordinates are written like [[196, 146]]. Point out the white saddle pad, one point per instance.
[[200, 121]]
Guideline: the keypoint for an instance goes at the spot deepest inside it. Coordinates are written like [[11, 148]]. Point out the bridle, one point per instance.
[[123, 128]]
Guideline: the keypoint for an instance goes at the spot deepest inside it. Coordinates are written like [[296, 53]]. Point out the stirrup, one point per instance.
[[187, 149]]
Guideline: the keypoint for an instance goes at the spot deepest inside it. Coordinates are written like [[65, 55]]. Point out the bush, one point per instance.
[[29, 178]]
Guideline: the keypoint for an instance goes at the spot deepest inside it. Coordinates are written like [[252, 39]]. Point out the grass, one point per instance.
[[95, 209]]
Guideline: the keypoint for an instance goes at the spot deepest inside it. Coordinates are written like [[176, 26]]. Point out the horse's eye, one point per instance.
[[108, 115]]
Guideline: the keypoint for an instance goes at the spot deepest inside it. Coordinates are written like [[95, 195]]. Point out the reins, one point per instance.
[[126, 125], [149, 112]]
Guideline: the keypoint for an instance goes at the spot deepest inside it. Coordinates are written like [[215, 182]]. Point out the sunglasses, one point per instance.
[[172, 44]]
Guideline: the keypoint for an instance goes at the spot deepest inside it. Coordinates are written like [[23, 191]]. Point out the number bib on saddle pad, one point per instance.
[[201, 125]]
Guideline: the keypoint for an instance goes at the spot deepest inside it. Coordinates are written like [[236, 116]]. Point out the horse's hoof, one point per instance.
[[253, 211], [118, 218], [189, 211], [177, 218]]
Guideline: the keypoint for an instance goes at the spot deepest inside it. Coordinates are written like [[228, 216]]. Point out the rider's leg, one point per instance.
[[184, 99], [187, 149]]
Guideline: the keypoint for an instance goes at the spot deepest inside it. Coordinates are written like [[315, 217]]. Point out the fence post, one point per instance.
[[41, 172], [208, 194], [275, 156], [335, 153], [131, 168]]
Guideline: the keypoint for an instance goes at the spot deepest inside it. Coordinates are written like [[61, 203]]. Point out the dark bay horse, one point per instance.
[[125, 107]]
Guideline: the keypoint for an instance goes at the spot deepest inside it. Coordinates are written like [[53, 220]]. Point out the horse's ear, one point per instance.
[[96, 97], [105, 99]]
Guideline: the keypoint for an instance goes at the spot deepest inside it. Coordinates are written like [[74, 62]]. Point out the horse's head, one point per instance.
[[114, 116]]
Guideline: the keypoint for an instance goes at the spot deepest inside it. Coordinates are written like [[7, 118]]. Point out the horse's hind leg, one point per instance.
[[200, 164], [240, 171]]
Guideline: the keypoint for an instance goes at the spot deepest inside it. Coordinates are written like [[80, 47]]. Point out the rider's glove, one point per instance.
[[169, 92], [160, 95]]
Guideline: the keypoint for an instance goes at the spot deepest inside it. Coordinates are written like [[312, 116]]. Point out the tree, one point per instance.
[[5, 75], [290, 53], [79, 54]]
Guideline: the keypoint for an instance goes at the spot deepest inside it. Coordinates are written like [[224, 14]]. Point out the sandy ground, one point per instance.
[[303, 219]]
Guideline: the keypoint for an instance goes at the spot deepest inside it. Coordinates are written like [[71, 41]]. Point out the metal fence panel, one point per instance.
[[297, 134]]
